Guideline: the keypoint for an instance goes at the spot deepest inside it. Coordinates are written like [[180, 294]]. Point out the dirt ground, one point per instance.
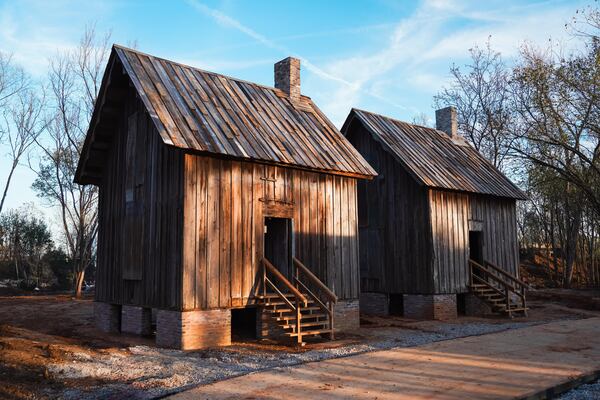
[[49, 348]]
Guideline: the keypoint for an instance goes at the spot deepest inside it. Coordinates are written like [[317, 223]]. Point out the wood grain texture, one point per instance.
[[210, 113], [240, 195], [140, 205], [415, 239], [433, 159], [191, 165], [395, 236]]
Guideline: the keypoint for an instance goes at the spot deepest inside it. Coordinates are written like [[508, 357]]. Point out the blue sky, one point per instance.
[[386, 56]]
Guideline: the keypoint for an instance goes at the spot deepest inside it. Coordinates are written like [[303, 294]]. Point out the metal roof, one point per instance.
[[434, 159]]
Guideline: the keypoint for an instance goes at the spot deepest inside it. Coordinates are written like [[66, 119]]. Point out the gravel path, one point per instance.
[[584, 392], [146, 372]]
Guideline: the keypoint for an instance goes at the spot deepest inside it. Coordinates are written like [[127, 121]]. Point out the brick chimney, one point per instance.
[[445, 121], [287, 77]]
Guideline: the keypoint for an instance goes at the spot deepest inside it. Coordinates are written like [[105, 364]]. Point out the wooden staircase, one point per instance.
[[296, 308], [503, 292]]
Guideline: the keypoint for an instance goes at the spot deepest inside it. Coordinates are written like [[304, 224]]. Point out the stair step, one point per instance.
[[280, 303], [304, 316], [495, 297], [306, 333], [302, 310], [276, 296], [303, 324], [517, 309]]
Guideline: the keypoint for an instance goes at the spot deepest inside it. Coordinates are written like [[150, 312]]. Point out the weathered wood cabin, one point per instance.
[[222, 203], [437, 223]]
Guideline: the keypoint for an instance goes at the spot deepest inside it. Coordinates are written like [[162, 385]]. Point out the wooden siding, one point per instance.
[[450, 216], [395, 244], [414, 239], [450, 237], [140, 216], [500, 242], [224, 208]]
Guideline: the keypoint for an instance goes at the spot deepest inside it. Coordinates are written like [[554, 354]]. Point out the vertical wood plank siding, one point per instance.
[[394, 225], [130, 231], [225, 202], [500, 242], [415, 239], [199, 239], [450, 213]]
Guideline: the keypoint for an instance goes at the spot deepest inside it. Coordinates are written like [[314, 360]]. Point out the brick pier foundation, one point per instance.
[[136, 320], [107, 317], [430, 306], [372, 303], [346, 315], [192, 330]]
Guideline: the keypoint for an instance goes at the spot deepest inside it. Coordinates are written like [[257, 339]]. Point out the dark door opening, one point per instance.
[[461, 303], [476, 246], [243, 324], [278, 244], [396, 304]]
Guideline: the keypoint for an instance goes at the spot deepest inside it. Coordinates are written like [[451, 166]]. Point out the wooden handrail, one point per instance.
[[328, 293], [506, 274], [489, 272], [487, 284], [494, 277], [281, 295], [284, 280], [312, 295]]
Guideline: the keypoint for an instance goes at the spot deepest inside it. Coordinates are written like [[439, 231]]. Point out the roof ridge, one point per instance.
[[456, 167], [397, 120], [233, 78]]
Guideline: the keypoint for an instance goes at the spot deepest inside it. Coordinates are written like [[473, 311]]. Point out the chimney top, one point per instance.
[[445, 121], [287, 76]]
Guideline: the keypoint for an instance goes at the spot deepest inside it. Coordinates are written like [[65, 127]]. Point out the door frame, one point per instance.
[[291, 239]]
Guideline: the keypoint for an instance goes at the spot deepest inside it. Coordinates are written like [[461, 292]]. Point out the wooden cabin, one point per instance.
[[224, 206], [437, 226]]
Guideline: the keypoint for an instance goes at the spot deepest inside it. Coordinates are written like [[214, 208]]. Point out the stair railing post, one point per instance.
[[264, 280], [523, 301], [470, 274], [298, 319], [296, 273], [507, 294], [331, 313]]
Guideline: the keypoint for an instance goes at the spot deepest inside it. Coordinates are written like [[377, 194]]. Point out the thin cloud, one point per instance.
[[419, 51], [229, 22]]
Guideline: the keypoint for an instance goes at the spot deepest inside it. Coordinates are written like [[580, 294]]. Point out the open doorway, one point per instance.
[[278, 244], [243, 324], [476, 246]]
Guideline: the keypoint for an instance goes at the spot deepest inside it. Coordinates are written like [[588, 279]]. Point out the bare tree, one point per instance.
[[481, 97], [23, 124], [557, 100], [75, 78], [12, 78], [421, 119], [13, 81]]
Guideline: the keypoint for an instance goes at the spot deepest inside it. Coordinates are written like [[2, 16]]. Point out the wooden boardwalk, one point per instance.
[[505, 365]]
